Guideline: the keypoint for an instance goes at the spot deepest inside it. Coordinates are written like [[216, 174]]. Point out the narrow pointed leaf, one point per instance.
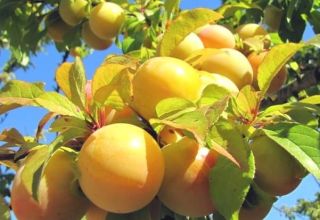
[[77, 80], [184, 24], [271, 66], [62, 78], [65, 122], [59, 104]]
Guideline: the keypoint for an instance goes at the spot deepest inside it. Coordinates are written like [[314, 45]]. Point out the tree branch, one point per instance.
[[310, 78], [8, 156]]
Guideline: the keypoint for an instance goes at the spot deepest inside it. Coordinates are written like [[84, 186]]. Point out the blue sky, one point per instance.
[[43, 69]]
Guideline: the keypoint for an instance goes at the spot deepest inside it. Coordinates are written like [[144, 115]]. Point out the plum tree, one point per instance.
[[230, 63], [185, 187], [216, 36], [277, 172], [56, 27], [126, 168], [255, 59], [106, 19], [189, 44], [92, 40], [160, 78], [72, 11], [58, 198]]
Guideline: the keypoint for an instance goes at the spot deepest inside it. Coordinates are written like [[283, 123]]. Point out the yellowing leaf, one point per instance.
[[62, 78], [72, 80], [112, 85], [104, 75], [18, 93], [184, 24]]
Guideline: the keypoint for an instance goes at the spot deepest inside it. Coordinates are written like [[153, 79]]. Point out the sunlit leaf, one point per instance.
[[271, 66], [246, 105], [229, 9], [230, 183], [18, 93], [65, 122], [62, 78], [112, 85], [58, 104], [184, 24], [302, 142], [170, 107], [12, 136], [33, 169]]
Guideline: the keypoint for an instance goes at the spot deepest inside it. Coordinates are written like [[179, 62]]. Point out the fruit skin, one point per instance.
[[121, 168], [188, 45], [277, 172], [72, 11], [219, 80], [256, 205], [185, 187], [246, 31], [92, 40], [106, 19], [216, 36], [160, 78], [95, 213], [229, 63], [255, 59], [58, 196], [56, 27]]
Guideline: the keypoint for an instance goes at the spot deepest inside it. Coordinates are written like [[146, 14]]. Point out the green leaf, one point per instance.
[[315, 41], [64, 123], [184, 24], [33, 169], [214, 112], [302, 142], [315, 100], [4, 210], [58, 104], [246, 105], [77, 81], [171, 106], [171, 6], [211, 94], [229, 183], [194, 122], [271, 66], [228, 10], [68, 138], [18, 93]]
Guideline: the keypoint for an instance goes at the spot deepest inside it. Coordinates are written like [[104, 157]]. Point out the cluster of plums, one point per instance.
[[121, 168], [99, 24]]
